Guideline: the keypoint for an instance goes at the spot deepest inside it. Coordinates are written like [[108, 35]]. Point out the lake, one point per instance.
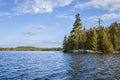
[[55, 65]]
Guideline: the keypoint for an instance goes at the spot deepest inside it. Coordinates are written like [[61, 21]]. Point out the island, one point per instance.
[[98, 39]]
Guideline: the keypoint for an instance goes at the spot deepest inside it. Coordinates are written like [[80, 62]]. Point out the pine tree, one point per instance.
[[101, 39], [106, 45], [88, 35], [114, 33], [92, 40], [65, 44], [77, 24], [71, 43], [76, 32]]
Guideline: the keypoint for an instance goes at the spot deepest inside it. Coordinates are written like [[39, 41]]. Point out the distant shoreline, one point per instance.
[[24, 48]]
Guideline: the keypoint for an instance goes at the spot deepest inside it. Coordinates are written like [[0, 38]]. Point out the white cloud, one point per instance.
[[111, 5], [40, 6], [109, 16], [36, 29]]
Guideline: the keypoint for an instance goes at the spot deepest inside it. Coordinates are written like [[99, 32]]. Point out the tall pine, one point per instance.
[[75, 34]]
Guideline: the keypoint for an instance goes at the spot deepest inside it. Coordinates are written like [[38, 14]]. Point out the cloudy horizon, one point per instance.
[[44, 23]]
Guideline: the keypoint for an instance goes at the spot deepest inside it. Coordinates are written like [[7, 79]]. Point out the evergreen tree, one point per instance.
[[100, 39], [65, 44], [88, 35], [76, 32], [77, 24], [99, 33], [92, 40], [71, 42], [106, 45], [114, 33]]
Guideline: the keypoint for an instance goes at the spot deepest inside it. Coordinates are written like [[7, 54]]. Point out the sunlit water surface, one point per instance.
[[55, 65]]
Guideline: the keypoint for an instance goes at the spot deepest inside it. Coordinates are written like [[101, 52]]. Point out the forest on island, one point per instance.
[[98, 38]]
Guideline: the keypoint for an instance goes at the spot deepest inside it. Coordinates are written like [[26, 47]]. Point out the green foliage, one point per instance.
[[115, 35], [65, 44], [96, 39], [77, 23], [75, 35], [106, 45], [29, 48], [72, 42], [92, 40]]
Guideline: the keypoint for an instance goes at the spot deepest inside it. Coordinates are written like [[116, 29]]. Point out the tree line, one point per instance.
[[29, 48], [97, 38]]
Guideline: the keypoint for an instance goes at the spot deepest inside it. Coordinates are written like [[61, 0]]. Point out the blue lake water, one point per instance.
[[55, 65]]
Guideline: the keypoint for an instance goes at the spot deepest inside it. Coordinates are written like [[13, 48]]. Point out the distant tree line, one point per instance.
[[98, 38], [29, 48]]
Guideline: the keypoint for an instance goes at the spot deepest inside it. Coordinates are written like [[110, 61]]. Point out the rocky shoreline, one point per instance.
[[90, 51]]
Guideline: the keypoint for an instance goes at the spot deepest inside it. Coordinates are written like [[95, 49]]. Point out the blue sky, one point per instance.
[[44, 23]]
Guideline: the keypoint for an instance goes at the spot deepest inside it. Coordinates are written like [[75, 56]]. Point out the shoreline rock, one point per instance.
[[91, 51]]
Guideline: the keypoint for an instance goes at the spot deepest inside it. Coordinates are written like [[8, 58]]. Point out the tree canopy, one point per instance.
[[104, 39]]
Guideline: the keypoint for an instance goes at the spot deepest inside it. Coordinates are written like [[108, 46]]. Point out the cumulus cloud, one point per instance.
[[40, 6], [111, 5], [108, 16], [36, 29]]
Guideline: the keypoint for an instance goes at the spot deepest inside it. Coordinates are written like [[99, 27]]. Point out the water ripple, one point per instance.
[[58, 66]]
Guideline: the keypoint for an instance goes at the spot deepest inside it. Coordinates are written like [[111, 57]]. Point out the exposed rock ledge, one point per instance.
[[89, 51]]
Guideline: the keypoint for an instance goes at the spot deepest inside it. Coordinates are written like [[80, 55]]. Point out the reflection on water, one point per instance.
[[95, 66], [49, 65]]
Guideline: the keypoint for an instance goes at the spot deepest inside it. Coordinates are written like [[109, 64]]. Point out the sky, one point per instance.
[[44, 23]]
